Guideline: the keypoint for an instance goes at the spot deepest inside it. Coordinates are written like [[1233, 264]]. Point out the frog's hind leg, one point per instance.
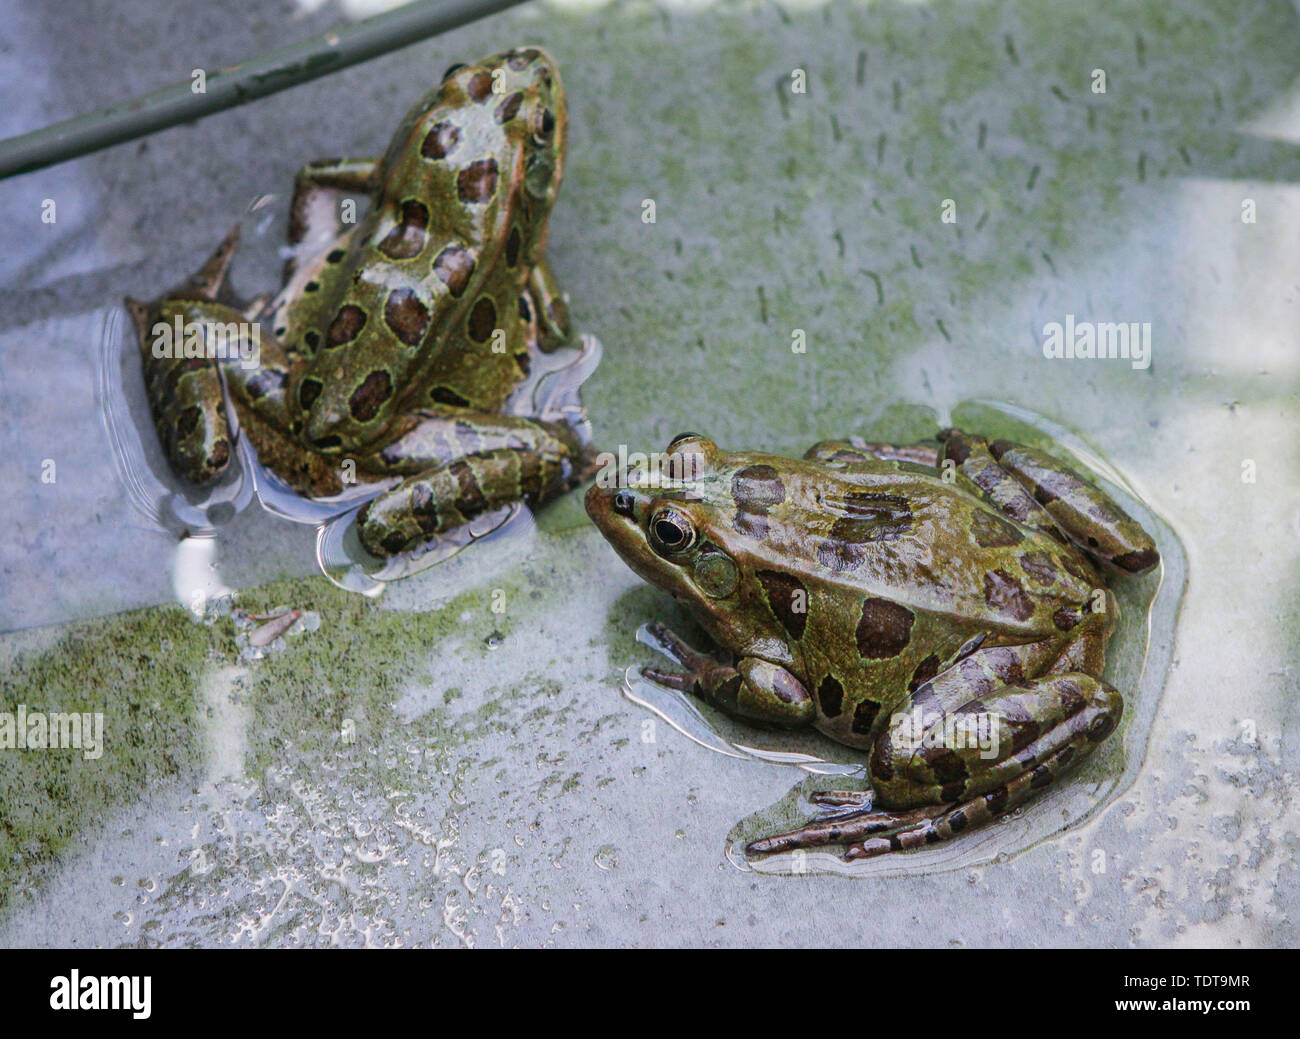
[[1035, 489], [465, 465], [313, 212], [855, 449], [1077, 712], [1091, 517]]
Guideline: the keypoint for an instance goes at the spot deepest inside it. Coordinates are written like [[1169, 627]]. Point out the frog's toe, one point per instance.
[[841, 829], [833, 800]]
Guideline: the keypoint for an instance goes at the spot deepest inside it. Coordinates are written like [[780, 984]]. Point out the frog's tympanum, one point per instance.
[[900, 599], [396, 341]]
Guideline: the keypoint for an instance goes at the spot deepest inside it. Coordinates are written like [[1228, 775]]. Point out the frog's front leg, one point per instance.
[[754, 689]]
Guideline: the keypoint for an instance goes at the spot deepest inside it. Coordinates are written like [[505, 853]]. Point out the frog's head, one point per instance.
[[684, 520], [522, 91]]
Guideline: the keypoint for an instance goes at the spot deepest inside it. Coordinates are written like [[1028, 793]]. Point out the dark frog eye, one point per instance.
[[452, 70], [543, 126], [671, 531]]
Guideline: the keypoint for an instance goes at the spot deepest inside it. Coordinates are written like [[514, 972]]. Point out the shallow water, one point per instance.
[[451, 762]]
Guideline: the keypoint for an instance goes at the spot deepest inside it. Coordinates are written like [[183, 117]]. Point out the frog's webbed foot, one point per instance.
[[865, 835], [1035, 489]]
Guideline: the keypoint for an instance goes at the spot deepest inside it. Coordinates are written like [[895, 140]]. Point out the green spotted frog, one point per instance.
[[396, 341], [939, 605]]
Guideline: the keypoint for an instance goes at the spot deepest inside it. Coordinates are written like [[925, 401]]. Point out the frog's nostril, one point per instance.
[[624, 503]]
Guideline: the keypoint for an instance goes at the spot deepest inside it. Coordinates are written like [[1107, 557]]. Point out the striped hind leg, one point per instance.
[[932, 787]]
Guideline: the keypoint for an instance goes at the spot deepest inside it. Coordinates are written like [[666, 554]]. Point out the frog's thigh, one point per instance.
[[757, 690], [1090, 516], [451, 495], [856, 449], [185, 395], [312, 210], [1036, 728]]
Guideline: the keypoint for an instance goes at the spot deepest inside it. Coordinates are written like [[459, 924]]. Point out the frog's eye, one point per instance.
[[452, 70], [543, 126], [689, 457], [671, 531]]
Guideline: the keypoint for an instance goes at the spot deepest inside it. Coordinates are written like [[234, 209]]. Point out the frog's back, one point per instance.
[[898, 573]]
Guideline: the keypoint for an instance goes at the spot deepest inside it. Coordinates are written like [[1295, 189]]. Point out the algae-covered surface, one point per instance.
[[917, 188]]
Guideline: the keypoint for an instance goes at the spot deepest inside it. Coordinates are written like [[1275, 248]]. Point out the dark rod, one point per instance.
[[278, 70]]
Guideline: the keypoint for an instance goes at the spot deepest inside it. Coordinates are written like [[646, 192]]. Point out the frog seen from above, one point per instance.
[[884, 595], [394, 346]]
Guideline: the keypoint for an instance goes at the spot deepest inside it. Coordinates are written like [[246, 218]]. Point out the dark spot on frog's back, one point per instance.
[[1137, 562], [1006, 595], [757, 487], [512, 248], [1038, 565], [308, 391], [406, 240], [884, 629], [864, 716], [509, 108], [992, 531], [369, 397], [788, 599], [446, 395], [482, 319], [479, 87], [454, 266], [406, 316], [925, 670], [345, 327], [441, 141], [830, 694], [477, 182]]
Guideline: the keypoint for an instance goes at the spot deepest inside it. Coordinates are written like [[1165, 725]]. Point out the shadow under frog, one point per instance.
[[392, 350], [940, 606]]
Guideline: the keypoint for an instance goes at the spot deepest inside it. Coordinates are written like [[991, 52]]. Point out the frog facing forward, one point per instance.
[[889, 596], [396, 343]]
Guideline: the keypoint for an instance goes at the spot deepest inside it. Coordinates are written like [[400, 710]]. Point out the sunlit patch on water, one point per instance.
[[1137, 662], [165, 503]]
